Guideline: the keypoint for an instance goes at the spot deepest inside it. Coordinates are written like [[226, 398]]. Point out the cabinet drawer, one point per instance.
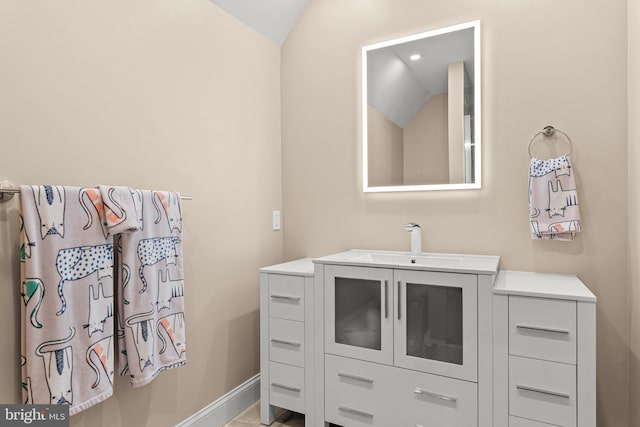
[[542, 329], [286, 386], [286, 297], [349, 409], [354, 377], [427, 419], [543, 391], [438, 396], [521, 422], [286, 341]]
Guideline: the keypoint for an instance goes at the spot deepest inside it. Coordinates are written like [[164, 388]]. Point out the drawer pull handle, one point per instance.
[[537, 328], [355, 412], [277, 341], [418, 390], [286, 387], [355, 377], [287, 297], [543, 391]]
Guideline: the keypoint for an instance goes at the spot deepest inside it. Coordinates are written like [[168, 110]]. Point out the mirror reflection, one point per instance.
[[421, 111]]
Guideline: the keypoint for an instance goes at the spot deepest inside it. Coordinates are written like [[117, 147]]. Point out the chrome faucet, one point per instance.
[[416, 237]]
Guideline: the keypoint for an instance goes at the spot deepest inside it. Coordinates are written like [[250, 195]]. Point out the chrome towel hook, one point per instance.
[[548, 131]]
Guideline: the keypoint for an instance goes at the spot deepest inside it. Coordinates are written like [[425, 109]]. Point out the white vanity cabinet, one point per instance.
[[420, 320], [286, 339], [544, 351], [402, 344]]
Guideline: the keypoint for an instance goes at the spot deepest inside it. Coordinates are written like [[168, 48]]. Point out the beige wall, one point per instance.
[[402, 156], [153, 94], [385, 150], [634, 207], [426, 144], [543, 62]]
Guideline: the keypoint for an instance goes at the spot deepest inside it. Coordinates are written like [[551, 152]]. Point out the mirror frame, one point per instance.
[[477, 184]]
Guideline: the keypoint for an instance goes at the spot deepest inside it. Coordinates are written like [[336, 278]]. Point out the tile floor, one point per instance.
[[251, 418]]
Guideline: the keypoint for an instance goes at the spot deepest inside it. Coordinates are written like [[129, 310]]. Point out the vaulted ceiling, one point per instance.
[[271, 18], [397, 87]]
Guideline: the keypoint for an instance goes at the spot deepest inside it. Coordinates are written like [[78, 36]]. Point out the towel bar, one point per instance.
[[8, 193]]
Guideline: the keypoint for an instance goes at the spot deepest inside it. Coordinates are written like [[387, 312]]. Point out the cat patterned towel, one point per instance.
[[553, 199], [151, 332], [122, 208], [66, 264]]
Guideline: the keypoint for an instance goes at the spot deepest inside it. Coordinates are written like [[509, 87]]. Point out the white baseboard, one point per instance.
[[226, 408]]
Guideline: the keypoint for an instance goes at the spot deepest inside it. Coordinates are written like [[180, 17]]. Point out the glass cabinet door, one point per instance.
[[436, 323], [358, 313]]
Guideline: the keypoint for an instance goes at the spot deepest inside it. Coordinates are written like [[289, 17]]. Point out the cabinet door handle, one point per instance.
[[386, 299], [287, 297], [423, 392], [355, 377], [287, 387], [542, 391], [277, 341], [541, 329], [355, 412], [399, 299]]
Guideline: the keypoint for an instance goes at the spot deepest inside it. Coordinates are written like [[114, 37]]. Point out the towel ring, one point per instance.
[[549, 131]]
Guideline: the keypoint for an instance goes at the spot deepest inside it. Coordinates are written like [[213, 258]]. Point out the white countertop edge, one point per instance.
[[542, 285], [299, 267]]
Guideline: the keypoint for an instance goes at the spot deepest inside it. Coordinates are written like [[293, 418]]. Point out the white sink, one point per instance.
[[430, 260], [425, 261]]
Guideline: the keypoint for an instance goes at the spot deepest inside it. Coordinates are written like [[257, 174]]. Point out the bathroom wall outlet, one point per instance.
[[276, 220]]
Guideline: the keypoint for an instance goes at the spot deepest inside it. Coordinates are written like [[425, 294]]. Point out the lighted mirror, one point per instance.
[[421, 111]]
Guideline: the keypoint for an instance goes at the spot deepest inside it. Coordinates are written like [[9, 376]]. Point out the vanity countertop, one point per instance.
[[544, 285], [454, 263], [299, 267]]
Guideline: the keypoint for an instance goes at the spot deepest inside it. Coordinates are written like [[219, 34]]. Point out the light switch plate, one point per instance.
[[276, 220]]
